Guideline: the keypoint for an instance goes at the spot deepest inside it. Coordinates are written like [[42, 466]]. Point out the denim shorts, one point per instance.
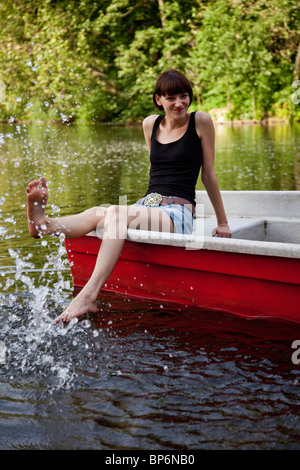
[[182, 216]]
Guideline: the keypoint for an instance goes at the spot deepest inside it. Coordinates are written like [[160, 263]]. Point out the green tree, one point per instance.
[[98, 60], [162, 43], [52, 66], [239, 62]]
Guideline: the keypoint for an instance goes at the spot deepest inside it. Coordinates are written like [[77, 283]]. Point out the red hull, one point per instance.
[[243, 284]]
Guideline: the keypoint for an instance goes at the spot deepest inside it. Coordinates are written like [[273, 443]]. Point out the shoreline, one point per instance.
[[263, 122], [233, 122]]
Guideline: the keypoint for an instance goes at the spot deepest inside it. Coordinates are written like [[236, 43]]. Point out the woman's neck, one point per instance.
[[169, 123]]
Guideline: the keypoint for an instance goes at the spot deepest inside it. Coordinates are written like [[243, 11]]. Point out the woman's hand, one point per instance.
[[222, 231]]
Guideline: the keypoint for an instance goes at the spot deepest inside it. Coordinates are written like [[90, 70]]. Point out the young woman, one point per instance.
[[179, 144]]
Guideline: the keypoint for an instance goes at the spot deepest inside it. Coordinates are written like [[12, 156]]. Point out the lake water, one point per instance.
[[136, 375]]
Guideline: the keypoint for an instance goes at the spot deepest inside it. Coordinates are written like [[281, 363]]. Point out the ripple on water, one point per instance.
[[140, 378], [138, 375], [135, 375]]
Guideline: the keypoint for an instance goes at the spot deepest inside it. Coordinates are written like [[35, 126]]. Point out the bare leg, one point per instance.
[[72, 226], [117, 220]]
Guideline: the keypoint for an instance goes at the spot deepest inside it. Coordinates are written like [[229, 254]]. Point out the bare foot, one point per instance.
[[79, 306], [37, 196]]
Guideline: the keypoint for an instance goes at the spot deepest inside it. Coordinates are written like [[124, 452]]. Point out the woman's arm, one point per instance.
[[148, 124], [206, 132]]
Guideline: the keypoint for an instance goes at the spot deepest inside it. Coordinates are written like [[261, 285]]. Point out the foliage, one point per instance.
[[98, 60]]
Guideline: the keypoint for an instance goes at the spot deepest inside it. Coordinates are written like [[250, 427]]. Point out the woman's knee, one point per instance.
[[116, 221], [112, 212], [96, 213], [117, 214]]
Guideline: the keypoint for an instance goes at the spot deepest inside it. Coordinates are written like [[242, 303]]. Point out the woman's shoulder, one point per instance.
[[203, 118], [148, 124], [203, 122], [150, 120]]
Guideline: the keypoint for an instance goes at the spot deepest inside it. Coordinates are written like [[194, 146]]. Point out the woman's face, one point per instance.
[[175, 105]]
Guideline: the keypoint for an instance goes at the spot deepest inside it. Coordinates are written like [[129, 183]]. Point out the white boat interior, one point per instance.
[[262, 223], [258, 215]]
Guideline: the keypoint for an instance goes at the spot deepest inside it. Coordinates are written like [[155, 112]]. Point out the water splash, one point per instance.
[[32, 345]]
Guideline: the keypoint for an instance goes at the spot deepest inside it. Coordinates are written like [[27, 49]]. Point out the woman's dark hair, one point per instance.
[[171, 83]]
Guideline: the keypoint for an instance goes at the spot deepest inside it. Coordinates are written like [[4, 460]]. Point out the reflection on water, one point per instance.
[[137, 375], [258, 157]]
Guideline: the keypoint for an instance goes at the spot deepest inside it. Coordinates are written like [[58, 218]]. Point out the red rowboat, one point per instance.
[[254, 274]]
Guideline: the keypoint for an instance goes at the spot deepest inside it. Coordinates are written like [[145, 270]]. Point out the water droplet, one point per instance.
[[2, 353], [86, 324]]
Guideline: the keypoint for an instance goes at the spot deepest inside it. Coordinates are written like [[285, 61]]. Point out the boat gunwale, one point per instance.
[[198, 242], [245, 209]]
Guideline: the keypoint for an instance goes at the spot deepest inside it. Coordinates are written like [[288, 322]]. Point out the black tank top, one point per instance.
[[175, 166]]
